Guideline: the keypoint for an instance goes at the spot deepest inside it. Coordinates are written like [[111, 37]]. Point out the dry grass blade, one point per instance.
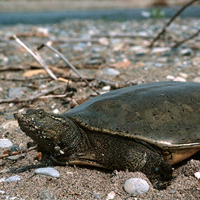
[[69, 64], [36, 56]]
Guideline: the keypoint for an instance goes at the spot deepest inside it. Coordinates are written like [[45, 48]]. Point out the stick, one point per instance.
[[31, 98], [69, 64], [17, 152], [170, 21], [191, 37], [37, 57]]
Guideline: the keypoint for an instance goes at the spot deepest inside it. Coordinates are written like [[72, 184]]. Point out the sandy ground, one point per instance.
[[77, 182]]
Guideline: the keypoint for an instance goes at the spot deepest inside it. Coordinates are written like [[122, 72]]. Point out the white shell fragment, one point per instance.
[[13, 178], [111, 195], [5, 143], [197, 175], [48, 171], [136, 186]]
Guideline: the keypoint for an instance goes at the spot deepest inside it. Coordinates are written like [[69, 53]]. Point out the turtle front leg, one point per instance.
[[88, 158]]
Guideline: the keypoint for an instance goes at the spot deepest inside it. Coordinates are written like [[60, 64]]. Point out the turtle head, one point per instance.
[[47, 130]]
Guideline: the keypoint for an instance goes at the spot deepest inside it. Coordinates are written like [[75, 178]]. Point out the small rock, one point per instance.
[[183, 75], [56, 111], [186, 52], [2, 179], [9, 117], [197, 175], [13, 178], [197, 80], [136, 186], [48, 171], [14, 148], [172, 191], [110, 72], [4, 143], [159, 64], [170, 77], [104, 41], [80, 47], [46, 195], [106, 88], [44, 31], [2, 192], [16, 157], [157, 50], [139, 50], [96, 196], [196, 61], [111, 195], [17, 92], [178, 78]]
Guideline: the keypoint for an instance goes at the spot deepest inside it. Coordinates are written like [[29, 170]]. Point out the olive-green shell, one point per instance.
[[166, 114]]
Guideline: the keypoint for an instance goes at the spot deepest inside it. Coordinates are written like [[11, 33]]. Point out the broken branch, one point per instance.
[[162, 32]]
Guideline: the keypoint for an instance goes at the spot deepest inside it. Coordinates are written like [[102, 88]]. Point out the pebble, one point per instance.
[[46, 195], [178, 78], [110, 72], [106, 88], [197, 175], [17, 92], [136, 186], [2, 179], [170, 77], [2, 192], [5, 143], [159, 64], [196, 79], [13, 178], [183, 75], [104, 41], [172, 191], [14, 148], [160, 50], [16, 157], [186, 52], [96, 196], [111, 195], [48, 171], [56, 111]]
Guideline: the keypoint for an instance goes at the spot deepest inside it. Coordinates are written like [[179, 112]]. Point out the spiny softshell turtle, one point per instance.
[[144, 128]]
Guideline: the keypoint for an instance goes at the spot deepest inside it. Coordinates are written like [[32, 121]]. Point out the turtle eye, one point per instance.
[[40, 113]]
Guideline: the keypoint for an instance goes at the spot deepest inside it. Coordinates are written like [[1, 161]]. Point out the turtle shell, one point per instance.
[[165, 114]]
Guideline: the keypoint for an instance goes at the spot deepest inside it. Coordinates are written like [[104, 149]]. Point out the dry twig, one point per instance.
[[36, 56], [69, 64], [162, 32], [189, 38], [17, 152], [31, 98]]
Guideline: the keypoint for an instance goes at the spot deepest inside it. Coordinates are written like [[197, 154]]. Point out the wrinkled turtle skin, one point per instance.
[[143, 128]]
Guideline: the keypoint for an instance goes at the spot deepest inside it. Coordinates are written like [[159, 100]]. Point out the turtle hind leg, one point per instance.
[[158, 171], [136, 156]]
